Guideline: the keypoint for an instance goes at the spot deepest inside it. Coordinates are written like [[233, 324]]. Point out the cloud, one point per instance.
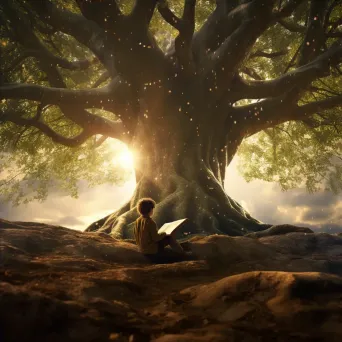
[[312, 214], [331, 228], [266, 202], [58, 209], [327, 227], [317, 200]]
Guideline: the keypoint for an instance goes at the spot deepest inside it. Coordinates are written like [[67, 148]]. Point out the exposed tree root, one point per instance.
[[209, 209]]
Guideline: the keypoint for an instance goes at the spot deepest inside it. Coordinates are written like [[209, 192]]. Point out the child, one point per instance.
[[150, 243]]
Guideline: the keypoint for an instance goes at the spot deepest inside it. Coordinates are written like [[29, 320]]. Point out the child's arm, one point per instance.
[[154, 232]]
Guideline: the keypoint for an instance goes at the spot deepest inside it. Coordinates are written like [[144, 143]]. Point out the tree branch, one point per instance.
[[330, 9], [256, 117], [114, 97], [168, 15], [142, 13], [315, 36], [288, 9], [104, 77], [44, 128], [186, 28], [226, 59], [183, 40], [336, 34], [61, 62], [88, 98], [85, 31], [292, 26], [268, 54], [112, 47], [301, 77], [105, 13], [24, 34], [226, 18], [251, 73], [217, 28], [335, 24], [100, 141], [318, 106], [73, 102]]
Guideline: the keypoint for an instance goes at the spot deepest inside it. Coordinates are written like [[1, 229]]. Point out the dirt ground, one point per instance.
[[57, 284]]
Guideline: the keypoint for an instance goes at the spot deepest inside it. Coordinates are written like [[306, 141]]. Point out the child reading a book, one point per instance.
[[150, 243]]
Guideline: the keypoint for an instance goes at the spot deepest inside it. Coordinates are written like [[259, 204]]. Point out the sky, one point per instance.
[[265, 201]]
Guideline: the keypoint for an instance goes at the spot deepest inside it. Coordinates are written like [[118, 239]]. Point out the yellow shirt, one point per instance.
[[146, 235]]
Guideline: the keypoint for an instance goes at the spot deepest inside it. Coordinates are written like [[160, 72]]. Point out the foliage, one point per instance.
[[295, 155], [292, 154], [34, 166]]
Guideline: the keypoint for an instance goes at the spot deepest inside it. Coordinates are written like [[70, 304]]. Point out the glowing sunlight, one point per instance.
[[124, 159], [122, 156]]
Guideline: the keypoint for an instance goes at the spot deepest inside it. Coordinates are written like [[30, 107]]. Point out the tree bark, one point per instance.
[[176, 167]]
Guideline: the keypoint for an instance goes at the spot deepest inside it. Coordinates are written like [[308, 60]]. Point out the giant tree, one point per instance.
[[183, 84]]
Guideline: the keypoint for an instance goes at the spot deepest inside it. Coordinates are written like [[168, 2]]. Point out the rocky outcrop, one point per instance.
[[59, 284]]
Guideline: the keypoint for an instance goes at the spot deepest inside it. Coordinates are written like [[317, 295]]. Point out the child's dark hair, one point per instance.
[[145, 205]]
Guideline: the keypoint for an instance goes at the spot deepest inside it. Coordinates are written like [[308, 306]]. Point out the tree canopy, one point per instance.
[[42, 138]]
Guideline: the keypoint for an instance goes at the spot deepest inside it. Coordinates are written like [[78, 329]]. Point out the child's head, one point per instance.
[[145, 206]]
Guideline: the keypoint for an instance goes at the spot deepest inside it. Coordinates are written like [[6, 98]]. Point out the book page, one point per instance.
[[169, 227]]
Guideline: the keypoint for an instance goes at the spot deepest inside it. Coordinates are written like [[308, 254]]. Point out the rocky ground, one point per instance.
[[57, 284]]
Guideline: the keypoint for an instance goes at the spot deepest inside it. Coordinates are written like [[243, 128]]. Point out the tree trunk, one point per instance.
[[179, 110], [180, 164]]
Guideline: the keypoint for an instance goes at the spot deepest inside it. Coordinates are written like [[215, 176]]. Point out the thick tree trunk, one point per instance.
[[181, 108], [179, 165]]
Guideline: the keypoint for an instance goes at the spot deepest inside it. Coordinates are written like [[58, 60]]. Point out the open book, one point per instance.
[[170, 227]]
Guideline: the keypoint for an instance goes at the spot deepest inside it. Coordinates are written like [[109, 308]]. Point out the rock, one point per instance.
[[279, 230], [61, 284]]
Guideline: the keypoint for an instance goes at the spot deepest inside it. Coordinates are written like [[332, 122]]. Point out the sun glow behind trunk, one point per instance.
[[124, 159]]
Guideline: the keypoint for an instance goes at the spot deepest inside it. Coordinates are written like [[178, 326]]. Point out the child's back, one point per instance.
[[146, 235]]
